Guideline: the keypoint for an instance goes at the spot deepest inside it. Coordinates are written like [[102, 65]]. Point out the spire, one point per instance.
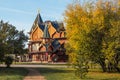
[[38, 11], [39, 19], [46, 32]]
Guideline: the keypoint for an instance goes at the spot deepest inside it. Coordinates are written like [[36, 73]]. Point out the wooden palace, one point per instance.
[[47, 40]]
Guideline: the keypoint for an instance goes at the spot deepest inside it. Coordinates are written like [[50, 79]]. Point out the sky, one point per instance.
[[22, 13]]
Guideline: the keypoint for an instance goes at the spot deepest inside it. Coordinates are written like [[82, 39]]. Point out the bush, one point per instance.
[[8, 61]]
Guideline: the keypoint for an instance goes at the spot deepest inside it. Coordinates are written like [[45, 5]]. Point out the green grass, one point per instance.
[[58, 73], [68, 74], [103, 76], [12, 73]]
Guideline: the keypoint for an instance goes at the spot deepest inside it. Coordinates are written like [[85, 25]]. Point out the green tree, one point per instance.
[[12, 41], [3, 36], [8, 61]]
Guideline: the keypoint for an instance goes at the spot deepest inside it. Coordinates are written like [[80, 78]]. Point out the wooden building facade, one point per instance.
[[47, 40]]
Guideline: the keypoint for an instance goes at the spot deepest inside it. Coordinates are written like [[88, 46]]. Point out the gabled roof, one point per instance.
[[39, 22], [58, 26], [46, 33], [39, 19], [42, 26], [55, 25]]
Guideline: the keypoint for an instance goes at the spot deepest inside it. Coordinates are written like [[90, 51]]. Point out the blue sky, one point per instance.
[[22, 13]]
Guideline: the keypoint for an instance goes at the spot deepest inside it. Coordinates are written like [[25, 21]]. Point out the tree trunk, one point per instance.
[[103, 65], [116, 63], [110, 67], [7, 66], [116, 66]]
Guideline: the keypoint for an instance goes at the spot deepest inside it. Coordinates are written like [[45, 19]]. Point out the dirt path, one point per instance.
[[33, 75]]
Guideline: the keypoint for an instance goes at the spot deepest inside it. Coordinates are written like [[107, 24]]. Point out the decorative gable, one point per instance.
[[36, 34]]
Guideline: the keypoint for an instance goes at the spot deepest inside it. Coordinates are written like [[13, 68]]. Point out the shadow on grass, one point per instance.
[[57, 73], [69, 73], [54, 70], [16, 72]]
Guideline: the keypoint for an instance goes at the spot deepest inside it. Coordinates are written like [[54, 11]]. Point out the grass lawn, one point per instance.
[[103, 76], [68, 74], [58, 73], [12, 73]]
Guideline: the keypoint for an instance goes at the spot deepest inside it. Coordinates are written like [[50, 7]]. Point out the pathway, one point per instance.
[[33, 75]]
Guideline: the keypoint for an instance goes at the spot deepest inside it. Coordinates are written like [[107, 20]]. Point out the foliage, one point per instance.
[[12, 41], [8, 61], [81, 66], [93, 34], [108, 15], [75, 19]]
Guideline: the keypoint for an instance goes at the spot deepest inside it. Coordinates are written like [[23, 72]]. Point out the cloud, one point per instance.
[[16, 11]]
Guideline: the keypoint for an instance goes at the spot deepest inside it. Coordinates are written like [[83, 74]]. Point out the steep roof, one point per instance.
[[58, 26], [42, 26], [38, 21], [46, 33], [39, 18]]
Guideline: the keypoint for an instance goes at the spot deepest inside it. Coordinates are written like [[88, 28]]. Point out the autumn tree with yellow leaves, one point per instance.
[[93, 33]]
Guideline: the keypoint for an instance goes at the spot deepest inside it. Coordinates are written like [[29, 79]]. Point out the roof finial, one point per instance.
[[38, 10]]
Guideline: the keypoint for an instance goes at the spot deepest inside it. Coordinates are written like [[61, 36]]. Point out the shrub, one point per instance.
[[8, 61]]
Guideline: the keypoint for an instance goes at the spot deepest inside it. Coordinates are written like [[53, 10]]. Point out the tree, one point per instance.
[[8, 61], [3, 34], [76, 18], [93, 33], [12, 41], [107, 20]]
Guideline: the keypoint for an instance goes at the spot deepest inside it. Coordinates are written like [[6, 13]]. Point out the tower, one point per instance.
[[47, 40]]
